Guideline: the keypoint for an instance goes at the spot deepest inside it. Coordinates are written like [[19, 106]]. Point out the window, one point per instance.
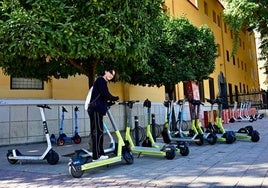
[[26, 83], [231, 93], [214, 16], [211, 88], [219, 20], [250, 54], [238, 62], [236, 93], [233, 60], [227, 55], [242, 65], [205, 8], [219, 49], [232, 34], [225, 27]]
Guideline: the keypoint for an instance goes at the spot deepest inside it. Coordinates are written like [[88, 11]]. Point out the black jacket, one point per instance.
[[100, 90]]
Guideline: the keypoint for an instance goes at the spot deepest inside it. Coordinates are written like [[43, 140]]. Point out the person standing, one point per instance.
[[97, 108]]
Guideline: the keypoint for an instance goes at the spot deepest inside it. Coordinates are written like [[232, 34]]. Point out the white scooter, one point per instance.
[[50, 155]]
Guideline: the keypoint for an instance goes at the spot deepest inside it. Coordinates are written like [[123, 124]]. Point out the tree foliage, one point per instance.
[[249, 15], [61, 38], [181, 52]]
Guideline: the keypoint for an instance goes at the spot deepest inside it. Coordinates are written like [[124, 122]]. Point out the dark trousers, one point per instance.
[[96, 131]]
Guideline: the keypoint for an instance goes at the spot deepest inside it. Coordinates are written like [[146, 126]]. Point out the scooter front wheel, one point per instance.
[[11, 161], [200, 140], [75, 171], [184, 151], [127, 155], [170, 152], [212, 139]]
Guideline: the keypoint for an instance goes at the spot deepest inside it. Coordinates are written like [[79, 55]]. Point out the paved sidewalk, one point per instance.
[[242, 164]]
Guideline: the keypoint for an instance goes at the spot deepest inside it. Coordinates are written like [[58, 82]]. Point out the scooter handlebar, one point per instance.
[[128, 103], [43, 106], [195, 102]]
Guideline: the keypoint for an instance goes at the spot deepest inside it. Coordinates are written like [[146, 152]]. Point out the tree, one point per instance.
[[248, 15], [61, 38], [182, 52]]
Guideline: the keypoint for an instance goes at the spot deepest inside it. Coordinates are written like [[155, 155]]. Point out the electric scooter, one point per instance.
[[233, 118], [62, 136], [79, 164], [50, 155], [211, 138], [243, 116], [182, 144], [175, 131], [217, 127], [246, 133], [167, 150]]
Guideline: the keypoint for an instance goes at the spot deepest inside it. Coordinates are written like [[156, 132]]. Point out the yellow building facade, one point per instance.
[[240, 72]]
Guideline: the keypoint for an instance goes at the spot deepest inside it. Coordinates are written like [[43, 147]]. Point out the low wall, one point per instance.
[[20, 120]]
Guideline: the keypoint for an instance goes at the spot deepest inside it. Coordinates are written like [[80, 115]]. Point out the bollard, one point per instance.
[[153, 127], [206, 119], [137, 136]]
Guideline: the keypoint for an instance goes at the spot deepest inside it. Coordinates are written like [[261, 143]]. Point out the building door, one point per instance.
[[223, 90]]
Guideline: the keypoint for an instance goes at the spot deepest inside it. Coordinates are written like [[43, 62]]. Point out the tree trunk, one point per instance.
[[91, 73]]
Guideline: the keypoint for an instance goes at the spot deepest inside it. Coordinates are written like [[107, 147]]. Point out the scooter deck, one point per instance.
[[26, 157], [241, 136], [99, 163], [19, 156], [148, 151], [220, 138], [185, 139]]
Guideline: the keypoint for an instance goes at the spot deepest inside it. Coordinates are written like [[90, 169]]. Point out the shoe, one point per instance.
[[102, 157]]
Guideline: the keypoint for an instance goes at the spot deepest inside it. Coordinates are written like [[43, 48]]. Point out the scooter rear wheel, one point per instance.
[[52, 157], [255, 136], [77, 139], [60, 141], [11, 161]]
